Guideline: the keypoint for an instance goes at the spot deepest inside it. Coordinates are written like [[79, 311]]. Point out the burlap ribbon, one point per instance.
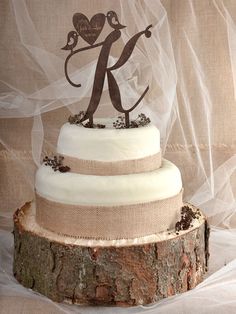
[[106, 168], [108, 222]]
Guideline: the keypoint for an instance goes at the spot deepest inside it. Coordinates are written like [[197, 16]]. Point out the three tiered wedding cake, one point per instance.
[[109, 225]]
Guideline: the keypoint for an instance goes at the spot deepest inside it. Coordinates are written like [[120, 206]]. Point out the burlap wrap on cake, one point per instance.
[[108, 222], [106, 168]]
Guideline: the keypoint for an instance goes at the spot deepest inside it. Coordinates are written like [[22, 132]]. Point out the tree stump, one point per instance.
[[108, 275]]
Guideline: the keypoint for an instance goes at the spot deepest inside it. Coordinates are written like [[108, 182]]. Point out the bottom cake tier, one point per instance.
[[121, 273]]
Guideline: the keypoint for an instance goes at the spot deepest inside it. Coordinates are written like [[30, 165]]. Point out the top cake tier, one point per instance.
[[108, 144]]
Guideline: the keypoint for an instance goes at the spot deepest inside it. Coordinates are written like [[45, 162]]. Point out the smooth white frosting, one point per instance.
[[108, 144], [73, 188]]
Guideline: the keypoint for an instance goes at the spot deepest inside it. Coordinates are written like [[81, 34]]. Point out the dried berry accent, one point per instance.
[[133, 124], [75, 119], [56, 163], [100, 126], [119, 123], [95, 126], [141, 120], [64, 168], [187, 217]]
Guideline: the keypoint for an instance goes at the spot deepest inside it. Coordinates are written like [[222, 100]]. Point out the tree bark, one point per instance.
[[109, 275]]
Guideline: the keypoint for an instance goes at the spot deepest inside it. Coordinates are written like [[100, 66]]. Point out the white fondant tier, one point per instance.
[[108, 144], [74, 188]]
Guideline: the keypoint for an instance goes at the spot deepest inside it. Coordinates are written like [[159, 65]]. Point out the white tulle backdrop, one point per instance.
[[190, 66]]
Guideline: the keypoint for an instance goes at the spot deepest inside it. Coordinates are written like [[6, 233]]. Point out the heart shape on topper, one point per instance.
[[89, 30]]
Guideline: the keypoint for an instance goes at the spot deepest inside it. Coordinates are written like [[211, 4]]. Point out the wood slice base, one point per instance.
[[108, 275]]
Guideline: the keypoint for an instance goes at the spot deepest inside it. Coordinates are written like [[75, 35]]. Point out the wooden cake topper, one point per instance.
[[89, 31]]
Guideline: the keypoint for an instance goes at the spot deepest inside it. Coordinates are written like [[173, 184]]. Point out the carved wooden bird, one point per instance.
[[113, 21], [72, 40]]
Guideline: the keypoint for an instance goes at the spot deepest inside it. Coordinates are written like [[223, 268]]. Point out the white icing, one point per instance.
[[73, 188], [108, 144]]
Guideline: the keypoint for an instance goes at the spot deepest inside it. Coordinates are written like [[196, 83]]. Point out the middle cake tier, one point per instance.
[[109, 207], [74, 188]]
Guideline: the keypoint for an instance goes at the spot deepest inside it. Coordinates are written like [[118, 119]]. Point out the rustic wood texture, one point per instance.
[[121, 276]]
